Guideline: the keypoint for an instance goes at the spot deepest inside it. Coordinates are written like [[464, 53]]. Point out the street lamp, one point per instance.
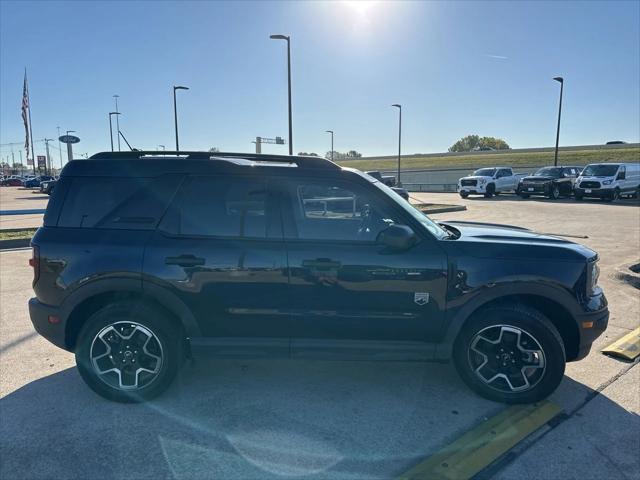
[[288, 39], [111, 128], [117, 121], [399, 107], [175, 112], [331, 132], [555, 158]]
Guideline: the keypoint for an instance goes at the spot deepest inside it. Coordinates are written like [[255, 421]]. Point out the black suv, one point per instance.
[[552, 182], [146, 258]]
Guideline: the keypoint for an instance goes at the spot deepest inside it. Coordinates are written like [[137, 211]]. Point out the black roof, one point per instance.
[[154, 163]]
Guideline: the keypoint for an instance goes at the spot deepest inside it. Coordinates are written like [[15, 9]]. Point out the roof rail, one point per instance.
[[300, 161]]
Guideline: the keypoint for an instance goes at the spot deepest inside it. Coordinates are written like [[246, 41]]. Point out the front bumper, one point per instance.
[[593, 192], [54, 332], [471, 189], [534, 189], [591, 325]]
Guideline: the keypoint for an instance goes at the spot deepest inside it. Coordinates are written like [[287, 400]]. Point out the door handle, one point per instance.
[[184, 261]]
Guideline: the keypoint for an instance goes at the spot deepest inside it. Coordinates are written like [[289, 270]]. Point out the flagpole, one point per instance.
[[33, 156]]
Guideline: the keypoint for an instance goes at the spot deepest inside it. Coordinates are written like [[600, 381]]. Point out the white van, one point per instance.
[[609, 181]]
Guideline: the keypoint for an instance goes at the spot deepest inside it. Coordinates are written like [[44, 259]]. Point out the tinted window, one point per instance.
[[109, 202], [226, 207], [549, 172], [333, 211]]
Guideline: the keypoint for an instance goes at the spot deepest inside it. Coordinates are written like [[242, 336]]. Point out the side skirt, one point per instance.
[[311, 348]]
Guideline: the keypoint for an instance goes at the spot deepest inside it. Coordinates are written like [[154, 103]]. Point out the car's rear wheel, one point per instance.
[[510, 353], [129, 351]]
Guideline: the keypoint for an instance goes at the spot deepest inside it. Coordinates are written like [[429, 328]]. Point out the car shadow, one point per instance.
[[34, 197], [245, 419]]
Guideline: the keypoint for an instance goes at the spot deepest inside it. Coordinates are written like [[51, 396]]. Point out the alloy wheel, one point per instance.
[[506, 358], [126, 355]]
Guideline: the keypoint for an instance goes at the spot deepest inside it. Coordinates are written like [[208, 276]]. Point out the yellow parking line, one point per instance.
[[479, 447], [627, 347]]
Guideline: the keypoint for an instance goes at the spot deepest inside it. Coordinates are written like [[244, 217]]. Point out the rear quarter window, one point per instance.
[[117, 202]]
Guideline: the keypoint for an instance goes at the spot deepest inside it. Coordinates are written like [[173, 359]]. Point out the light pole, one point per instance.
[[59, 147], [175, 112], [555, 158], [331, 132], [69, 147], [111, 128], [117, 120], [288, 39], [399, 107]]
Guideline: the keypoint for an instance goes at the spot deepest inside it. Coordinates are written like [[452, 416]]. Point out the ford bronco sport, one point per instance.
[[146, 258]]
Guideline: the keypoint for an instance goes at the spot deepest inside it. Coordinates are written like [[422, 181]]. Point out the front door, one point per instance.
[[220, 250], [345, 285]]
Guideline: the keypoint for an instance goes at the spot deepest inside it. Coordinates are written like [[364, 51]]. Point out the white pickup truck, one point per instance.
[[489, 181]]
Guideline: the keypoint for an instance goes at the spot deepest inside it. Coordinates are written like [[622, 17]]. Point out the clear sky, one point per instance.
[[456, 67]]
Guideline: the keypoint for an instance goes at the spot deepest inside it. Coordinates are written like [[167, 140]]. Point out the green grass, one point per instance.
[[17, 234], [565, 157]]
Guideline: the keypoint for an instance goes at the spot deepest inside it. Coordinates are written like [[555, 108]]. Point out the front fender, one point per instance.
[[461, 308]]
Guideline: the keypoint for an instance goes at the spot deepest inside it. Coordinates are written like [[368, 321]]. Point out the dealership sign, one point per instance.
[[69, 139], [42, 161]]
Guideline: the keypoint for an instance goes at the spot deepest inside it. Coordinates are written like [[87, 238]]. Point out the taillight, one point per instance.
[[34, 262]]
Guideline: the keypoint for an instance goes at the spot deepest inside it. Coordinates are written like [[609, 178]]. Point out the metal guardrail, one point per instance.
[[431, 187]]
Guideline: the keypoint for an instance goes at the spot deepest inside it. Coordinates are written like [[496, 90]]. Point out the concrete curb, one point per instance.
[[442, 209], [14, 243]]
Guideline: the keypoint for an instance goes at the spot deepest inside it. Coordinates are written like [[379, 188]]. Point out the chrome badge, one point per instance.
[[421, 298]]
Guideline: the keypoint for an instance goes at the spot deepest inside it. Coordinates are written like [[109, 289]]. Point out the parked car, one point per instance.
[[488, 182], [13, 181], [35, 181], [140, 263], [47, 186], [551, 182], [609, 181], [390, 181]]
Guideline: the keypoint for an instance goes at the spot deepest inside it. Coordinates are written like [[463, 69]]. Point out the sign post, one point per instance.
[[69, 140]]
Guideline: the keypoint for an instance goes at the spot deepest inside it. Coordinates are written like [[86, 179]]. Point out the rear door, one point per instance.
[[220, 250]]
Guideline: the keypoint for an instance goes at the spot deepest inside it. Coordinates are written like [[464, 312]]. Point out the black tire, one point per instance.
[[523, 195], [464, 194], [554, 192], [536, 330], [578, 197], [490, 191], [123, 316], [616, 195]]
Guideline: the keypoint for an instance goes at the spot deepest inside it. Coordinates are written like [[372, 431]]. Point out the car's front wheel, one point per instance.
[[129, 351], [554, 193], [510, 353], [464, 194]]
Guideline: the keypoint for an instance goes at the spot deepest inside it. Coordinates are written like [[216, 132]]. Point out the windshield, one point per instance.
[[485, 172], [435, 229], [600, 171], [548, 172]]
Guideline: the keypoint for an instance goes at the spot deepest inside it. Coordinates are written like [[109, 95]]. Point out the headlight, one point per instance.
[[592, 278], [607, 182]]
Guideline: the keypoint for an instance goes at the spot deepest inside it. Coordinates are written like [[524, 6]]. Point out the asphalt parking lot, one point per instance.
[[319, 419]]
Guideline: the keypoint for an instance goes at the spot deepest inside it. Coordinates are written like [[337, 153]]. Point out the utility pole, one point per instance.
[[47, 163], [117, 120], [555, 158], [59, 147]]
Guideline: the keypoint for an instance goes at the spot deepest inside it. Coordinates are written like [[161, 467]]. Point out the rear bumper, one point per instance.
[[54, 332]]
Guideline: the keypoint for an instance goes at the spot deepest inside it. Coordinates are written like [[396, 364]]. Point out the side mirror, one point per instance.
[[397, 237], [621, 176]]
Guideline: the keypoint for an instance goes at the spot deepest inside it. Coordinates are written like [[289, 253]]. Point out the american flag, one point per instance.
[[25, 107]]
